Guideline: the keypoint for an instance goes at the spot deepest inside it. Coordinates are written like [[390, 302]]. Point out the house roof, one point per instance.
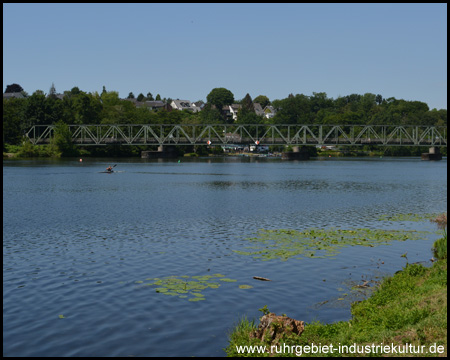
[[258, 109], [155, 103], [17, 95], [200, 103], [182, 104], [185, 105]]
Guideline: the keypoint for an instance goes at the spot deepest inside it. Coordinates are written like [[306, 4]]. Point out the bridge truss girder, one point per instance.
[[201, 134]]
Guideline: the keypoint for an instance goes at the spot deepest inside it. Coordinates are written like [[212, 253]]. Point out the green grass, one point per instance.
[[440, 248], [409, 307]]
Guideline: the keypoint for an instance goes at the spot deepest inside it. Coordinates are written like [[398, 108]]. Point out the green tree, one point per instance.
[[436, 117], [140, 97], [248, 117], [219, 97], [293, 110], [127, 112], [169, 117], [13, 88], [35, 110], [87, 109], [158, 97], [246, 114], [130, 96], [13, 121], [247, 104], [379, 99], [62, 140], [150, 96], [53, 110], [119, 112], [144, 116], [320, 101], [110, 101], [353, 101], [75, 90], [110, 98], [209, 115], [263, 100]]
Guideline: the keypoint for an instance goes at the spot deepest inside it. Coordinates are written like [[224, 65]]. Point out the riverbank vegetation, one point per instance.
[[408, 308], [78, 107]]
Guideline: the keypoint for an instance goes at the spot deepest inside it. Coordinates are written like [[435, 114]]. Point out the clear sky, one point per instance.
[[183, 51]]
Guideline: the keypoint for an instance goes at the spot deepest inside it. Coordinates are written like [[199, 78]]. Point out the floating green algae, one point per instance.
[[318, 243], [408, 217], [186, 287], [245, 286]]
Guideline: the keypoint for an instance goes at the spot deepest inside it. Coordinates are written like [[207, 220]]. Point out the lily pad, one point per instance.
[[161, 290], [284, 244], [245, 286], [197, 295], [186, 287]]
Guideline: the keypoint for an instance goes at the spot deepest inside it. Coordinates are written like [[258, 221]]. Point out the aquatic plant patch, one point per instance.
[[245, 286], [283, 244], [187, 287]]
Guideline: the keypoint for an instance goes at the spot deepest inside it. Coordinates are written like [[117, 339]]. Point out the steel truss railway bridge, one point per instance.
[[203, 134]]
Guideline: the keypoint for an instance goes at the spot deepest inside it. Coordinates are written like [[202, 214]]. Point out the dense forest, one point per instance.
[[78, 107]]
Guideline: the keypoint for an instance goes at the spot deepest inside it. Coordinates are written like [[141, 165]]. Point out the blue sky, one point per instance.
[[183, 51]]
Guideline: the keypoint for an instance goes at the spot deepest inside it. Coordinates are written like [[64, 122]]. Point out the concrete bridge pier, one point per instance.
[[162, 153], [296, 154], [433, 154]]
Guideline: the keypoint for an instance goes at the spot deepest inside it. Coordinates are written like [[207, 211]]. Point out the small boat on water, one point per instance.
[[109, 169]]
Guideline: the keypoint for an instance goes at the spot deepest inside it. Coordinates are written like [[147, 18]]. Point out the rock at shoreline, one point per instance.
[[272, 328]]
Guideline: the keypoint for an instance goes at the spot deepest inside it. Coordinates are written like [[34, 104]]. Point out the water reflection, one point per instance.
[[296, 185]]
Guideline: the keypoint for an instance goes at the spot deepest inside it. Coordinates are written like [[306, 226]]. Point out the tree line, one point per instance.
[[79, 107]]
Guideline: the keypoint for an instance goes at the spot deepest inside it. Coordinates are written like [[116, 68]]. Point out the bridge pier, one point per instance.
[[296, 154], [433, 154], [170, 152]]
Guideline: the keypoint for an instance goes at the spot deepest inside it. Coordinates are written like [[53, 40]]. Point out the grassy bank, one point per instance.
[[408, 308]]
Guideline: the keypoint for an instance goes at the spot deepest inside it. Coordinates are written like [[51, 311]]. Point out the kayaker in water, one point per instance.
[[109, 168]]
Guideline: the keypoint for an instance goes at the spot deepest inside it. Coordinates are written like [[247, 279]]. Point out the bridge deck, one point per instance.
[[201, 134]]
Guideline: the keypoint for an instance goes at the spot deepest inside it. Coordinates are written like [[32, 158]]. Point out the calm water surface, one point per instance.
[[79, 243]]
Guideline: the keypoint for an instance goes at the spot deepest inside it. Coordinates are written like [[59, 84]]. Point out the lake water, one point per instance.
[[79, 246]]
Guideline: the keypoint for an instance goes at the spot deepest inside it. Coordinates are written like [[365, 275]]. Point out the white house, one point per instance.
[[184, 105], [232, 110], [269, 111]]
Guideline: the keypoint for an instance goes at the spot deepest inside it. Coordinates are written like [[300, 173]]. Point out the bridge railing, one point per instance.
[[263, 134]]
